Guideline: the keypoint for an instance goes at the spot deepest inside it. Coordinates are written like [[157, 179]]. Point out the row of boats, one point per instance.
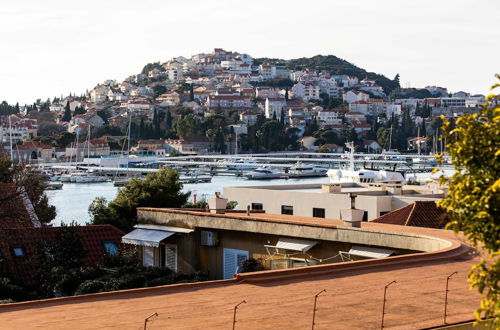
[[297, 171], [252, 170], [84, 176], [349, 174]]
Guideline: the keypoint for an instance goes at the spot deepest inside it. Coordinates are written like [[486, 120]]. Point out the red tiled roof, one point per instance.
[[150, 141], [33, 145], [417, 214], [228, 97], [25, 269]]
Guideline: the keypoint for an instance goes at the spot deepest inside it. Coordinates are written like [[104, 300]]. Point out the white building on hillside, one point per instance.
[[274, 107], [353, 96]]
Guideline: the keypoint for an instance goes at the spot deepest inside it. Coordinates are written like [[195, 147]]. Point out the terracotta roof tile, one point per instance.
[[25, 269], [417, 214]]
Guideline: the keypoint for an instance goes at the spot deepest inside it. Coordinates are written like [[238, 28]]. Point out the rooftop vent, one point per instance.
[[217, 204]]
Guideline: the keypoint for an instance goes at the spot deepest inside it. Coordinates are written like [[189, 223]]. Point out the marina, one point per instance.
[[75, 185]]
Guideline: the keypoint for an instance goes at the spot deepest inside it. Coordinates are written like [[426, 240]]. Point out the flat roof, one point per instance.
[[281, 298], [363, 188]]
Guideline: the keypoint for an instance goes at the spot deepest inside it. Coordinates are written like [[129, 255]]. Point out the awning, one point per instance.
[[293, 244], [152, 235], [165, 228], [146, 237], [369, 252]]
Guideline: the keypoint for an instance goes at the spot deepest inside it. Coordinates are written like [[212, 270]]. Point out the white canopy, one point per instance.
[[146, 237], [369, 252], [151, 235], [293, 244]]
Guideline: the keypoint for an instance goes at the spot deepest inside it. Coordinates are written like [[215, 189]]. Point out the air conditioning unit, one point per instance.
[[209, 238]]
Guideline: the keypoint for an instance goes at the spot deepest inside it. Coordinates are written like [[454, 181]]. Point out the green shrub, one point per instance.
[[90, 286]]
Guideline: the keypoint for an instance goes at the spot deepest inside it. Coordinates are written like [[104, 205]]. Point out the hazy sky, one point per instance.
[[52, 47]]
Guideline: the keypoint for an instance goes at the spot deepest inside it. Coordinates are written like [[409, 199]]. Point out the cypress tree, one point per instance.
[[67, 113], [156, 123], [191, 93]]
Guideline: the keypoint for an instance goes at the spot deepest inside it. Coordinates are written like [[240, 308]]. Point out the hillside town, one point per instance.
[[332, 165], [357, 176], [226, 102]]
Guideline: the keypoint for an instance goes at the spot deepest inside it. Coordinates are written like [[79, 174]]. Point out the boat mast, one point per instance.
[[236, 145], [350, 146], [76, 150], [88, 148], [10, 134], [418, 140], [390, 139], [128, 140]]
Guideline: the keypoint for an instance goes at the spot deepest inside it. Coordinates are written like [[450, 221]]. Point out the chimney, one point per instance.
[[352, 217], [217, 205], [331, 188]]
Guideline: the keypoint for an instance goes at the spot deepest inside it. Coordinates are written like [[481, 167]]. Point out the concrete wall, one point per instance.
[[328, 232], [374, 202], [303, 202], [192, 256]]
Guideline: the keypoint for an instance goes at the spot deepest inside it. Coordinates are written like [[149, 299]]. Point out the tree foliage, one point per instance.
[[150, 66], [334, 65], [67, 113], [159, 189], [6, 109], [32, 183], [473, 196]]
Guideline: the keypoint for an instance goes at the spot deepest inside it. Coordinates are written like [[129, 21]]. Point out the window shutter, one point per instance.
[[171, 257], [229, 264], [148, 256], [233, 262]]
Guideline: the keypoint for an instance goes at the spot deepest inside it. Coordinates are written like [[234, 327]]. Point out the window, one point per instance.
[[171, 257], [287, 209], [111, 248], [18, 252], [257, 206], [318, 212]]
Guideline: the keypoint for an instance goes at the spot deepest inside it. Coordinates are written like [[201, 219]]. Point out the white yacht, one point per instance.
[[361, 176], [392, 154], [82, 177], [300, 170], [263, 173], [246, 164]]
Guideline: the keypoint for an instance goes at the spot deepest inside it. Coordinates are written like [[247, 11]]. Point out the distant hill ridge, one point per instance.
[[334, 65]]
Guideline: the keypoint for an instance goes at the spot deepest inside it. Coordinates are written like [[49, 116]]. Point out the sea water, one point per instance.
[[72, 202]]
